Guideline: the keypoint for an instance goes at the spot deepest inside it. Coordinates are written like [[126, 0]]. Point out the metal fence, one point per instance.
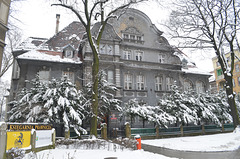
[[182, 130]]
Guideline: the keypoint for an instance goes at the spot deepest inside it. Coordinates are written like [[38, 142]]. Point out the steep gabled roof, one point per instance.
[[72, 34], [49, 56], [31, 43]]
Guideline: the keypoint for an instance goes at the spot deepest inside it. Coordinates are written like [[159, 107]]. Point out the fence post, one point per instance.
[[53, 138], [67, 133], [33, 140], [203, 129], [127, 130], [222, 127], [181, 128], [104, 131], [157, 131], [3, 140]]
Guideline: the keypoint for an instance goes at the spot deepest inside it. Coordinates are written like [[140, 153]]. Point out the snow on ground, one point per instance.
[[218, 142], [96, 154]]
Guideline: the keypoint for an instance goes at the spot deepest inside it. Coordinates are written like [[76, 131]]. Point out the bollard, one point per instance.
[[138, 138]]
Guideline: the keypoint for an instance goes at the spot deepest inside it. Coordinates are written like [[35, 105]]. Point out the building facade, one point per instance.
[[134, 54], [4, 11], [219, 77]]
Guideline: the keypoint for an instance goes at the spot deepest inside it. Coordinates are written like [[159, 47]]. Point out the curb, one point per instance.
[[192, 154]]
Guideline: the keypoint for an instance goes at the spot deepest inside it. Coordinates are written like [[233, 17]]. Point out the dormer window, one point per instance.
[[68, 51]]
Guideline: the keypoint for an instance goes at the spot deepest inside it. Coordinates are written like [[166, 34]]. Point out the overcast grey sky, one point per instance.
[[38, 19]]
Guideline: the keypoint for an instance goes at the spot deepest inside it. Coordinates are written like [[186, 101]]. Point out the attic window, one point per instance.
[[131, 18], [68, 53], [132, 35]]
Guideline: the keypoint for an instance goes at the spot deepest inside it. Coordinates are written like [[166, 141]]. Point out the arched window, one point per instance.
[[200, 87], [187, 85]]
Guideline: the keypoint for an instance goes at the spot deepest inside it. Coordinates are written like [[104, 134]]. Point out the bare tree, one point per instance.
[[210, 24], [87, 11]]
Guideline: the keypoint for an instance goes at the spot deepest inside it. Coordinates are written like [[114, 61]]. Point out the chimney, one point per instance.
[[57, 22]]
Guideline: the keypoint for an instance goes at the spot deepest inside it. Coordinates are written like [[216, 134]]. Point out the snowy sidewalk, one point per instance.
[[219, 146]]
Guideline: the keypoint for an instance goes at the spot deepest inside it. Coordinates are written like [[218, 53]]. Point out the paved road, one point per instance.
[[192, 154]]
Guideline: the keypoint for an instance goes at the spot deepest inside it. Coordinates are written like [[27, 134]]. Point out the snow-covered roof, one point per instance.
[[195, 70], [31, 43], [41, 55], [212, 78], [183, 57]]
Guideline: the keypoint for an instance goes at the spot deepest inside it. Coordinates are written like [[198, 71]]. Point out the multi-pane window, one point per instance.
[[68, 53], [132, 37], [101, 49], [127, 54], [125, 36], [139, 38], [105, 49], [139, 55], [158, 83], [110, 77], [44, 76], [199, 87], [69, 75], [128, 79], [109, 49], [169, 83], [161, 58], [140, 82], [237, 67]]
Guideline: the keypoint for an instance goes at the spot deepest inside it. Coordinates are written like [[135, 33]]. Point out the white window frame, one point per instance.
[[169, 83], [140, 82], [158, 83], [139, 55], [125, 36], [110, 77], [127, 54], [161, 58], [128, 81], [69, 53]]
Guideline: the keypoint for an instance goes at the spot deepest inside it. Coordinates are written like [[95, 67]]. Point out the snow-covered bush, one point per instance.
[[182, 108], [58, 102], [15, 153], [148, 113], [191, 108]]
